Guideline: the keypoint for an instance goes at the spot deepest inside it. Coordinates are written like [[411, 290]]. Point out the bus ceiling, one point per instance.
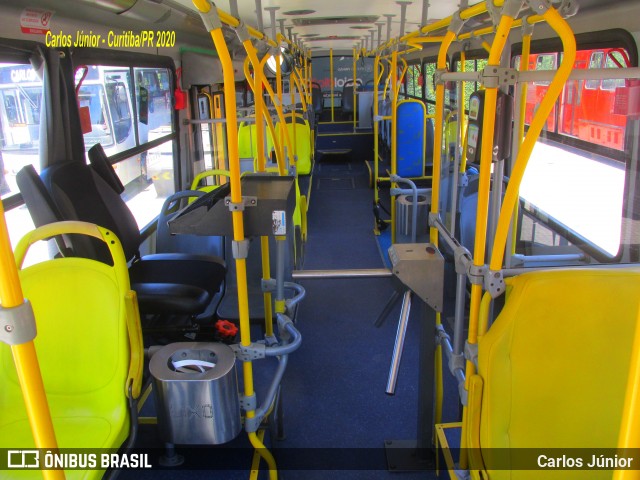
[[319, 26]]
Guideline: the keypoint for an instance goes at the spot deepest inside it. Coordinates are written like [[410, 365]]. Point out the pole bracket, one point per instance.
[[456, 23], [248, 404], [17, 324], [494, 283], [240, 248], [211, 19], [527, 28], [255, 351], [242, 32], [437, 76], [248, 201], [471, 353], [568, 8], [476, 274], [512, 8], [539, 7], [494, 76]]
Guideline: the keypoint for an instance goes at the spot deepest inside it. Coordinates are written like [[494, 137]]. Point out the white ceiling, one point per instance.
[[331, 8]]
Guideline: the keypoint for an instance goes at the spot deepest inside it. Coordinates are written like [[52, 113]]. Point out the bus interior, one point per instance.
[[270, 238]]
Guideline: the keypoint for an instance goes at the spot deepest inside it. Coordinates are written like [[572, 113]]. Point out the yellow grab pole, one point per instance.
[[629, 436], [394, 132], [282, 168], [438, 129], [378, 72], [387, 80], [355, 66], [482, 212], [278, 105], [332, 80], [24, 355], [213, 24], [299, 84], [461, 116], [435, 195], [524, 66], [555, 21], [256, 83]]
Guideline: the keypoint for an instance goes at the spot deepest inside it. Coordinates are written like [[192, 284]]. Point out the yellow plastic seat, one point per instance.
[[302, 145], [247, 143], [89, 347], [552, 369], [200, 177]]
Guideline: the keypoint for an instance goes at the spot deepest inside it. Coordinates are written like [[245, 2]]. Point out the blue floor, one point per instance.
[[337, 416]]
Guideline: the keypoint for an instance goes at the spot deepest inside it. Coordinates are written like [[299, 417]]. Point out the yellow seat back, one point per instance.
[[247, 143], [197, 183], [302, 144], [88, 345], [554, 365]]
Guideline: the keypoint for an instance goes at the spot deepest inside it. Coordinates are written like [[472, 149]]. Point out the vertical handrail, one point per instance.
[[212, 23], [25, 356], [332, 80], [256, 83], [482, 212], [378, 70], [461, 116], [394, 131], [629, 436], [524, 66], [435, 196], [355, 76], [560, 26]]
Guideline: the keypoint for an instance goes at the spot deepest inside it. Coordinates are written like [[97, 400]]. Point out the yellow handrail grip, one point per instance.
[[524, 66], [24, 355], [208, 173], [332, 80], [483, 316], [353, 90], [438, 128], [204, 6], [394, 134], [629, 436], [462, 116], [136, 347], [556, 22]]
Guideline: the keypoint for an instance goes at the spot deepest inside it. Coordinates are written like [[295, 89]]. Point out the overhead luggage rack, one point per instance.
[[268, 204]]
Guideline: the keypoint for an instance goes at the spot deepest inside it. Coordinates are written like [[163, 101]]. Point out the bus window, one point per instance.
[[131, 107], [11, 109], [474, 65], [20, 97], [93, 96], [594, 62], [118, 102], [20, 106], [576, 174], [614, 59], [429, 69], [414, 82]]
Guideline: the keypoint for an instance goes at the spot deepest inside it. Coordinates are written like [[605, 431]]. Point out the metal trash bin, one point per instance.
[[404, 218], [196, 393]]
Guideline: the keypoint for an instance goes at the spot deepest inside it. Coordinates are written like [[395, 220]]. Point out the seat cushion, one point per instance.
[[176, 283], [171, 297]]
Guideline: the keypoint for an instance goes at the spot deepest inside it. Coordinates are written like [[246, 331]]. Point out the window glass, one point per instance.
[[614, 60], [470, 87], [594, 62], [20, 106], [414, 81], [129, 108], [576, 175]]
